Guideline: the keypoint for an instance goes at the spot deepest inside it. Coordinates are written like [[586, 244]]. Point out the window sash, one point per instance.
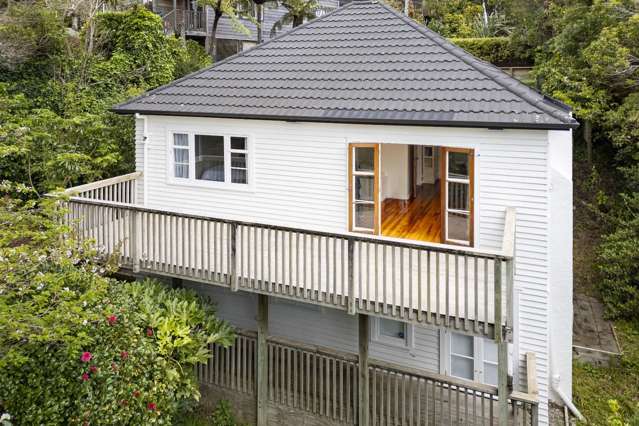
[[228, 168]]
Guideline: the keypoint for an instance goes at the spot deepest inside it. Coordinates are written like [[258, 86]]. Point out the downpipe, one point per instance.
[[145, 156], [556, 379]]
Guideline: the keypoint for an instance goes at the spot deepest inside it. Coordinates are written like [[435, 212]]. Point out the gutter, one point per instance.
[[145, 156], [556, 379]]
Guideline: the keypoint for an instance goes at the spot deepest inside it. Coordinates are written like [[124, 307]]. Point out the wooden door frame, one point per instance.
[[443, 179], [376, 207]]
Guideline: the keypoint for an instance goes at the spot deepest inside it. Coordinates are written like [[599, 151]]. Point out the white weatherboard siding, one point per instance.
[[314, 325], [560, 257], [300, 180]]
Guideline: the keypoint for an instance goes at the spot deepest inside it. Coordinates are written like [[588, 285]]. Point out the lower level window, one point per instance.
[[395, 333], [468, 357], [213, 158]]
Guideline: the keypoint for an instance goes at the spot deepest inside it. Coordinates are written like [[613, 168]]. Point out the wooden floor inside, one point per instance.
[[416, 219]]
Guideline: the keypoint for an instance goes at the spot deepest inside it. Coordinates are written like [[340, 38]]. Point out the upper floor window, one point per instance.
[[210, 158]]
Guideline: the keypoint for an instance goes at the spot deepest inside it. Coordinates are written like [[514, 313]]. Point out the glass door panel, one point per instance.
[[363, 187], [458, 192]]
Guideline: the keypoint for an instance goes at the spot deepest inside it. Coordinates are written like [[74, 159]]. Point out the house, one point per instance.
[[387, 220], [188, 19]]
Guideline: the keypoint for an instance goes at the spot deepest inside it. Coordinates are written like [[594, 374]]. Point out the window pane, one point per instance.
[[490, 351], [180, 139], [238, 160], [181, 155], [461, 367], [391, 328], [490, 374], [458, 196], [364, 159], [365, 216], [209, 157], [238, 143], [238, 175], [428, 151], [458, 165], [461, 344], [458, 226], [364, 188], [181, 171]]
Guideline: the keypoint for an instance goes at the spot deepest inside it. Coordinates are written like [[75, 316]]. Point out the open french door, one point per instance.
[[457, 183], [363, 187]]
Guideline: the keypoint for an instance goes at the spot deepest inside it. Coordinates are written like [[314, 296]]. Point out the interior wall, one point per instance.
[[395, 171]]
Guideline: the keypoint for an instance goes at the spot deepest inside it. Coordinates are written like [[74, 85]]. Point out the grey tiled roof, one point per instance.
[[363, 63]]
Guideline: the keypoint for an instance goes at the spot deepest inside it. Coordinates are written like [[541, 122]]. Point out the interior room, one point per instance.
[[410, 192]]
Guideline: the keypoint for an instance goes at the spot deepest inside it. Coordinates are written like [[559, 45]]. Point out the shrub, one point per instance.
[[496, 50], [223, 415], [77, 347], [619, 262]]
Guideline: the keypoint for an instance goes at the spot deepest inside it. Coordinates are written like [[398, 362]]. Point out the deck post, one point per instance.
[[351, 277], [363, 381], [232, 259], [136, 240], [502, 348], [262, 360]]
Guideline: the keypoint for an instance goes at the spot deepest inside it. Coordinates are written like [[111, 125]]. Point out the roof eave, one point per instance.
[[347, 120]]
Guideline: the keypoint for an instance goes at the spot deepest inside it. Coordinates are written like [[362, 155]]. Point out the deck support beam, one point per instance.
[[502, 349], [262, 360], [364, 334]]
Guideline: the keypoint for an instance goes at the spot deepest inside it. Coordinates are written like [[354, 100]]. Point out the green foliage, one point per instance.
[[223, 415], [78, 347], [594, 386], [496, 50], [298, 11], [616, 417], [466, 18], [55, 95], [619, 262]]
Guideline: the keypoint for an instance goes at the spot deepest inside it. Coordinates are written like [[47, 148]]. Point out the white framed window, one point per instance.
[[217, 160], [391, 332], [468, 357]]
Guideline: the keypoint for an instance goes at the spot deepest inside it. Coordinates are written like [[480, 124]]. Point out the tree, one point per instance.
[[230, 9], [55, 125], [298, 11], [77, 347]]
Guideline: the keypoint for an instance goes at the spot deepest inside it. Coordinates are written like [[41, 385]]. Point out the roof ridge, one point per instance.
[[230, 58], [494, 73]]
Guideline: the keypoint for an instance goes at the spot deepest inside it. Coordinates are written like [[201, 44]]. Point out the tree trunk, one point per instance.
[[588, 140], [297, 21], [213, 37]]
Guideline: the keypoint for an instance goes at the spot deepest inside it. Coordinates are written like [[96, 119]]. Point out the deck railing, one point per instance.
[[324, 382], [462, 288], [180, 21]]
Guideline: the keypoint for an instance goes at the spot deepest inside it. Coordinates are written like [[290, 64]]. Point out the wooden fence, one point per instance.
[[324, 382]]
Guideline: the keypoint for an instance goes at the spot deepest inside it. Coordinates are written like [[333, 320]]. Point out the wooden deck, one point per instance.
[[462, 288], [416, 219]]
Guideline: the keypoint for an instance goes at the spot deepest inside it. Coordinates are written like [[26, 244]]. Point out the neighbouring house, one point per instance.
[[385, 218], [190, 20]]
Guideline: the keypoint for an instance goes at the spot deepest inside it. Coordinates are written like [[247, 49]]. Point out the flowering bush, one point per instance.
[[77, 347]]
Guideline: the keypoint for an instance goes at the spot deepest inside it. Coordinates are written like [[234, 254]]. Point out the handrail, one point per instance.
[[102, 183], [418, 245]]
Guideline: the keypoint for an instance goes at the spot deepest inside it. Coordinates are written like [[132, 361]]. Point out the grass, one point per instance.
[[594, 386]]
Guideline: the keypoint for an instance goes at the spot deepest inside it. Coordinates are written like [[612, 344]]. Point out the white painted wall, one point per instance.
[[300, 180], [395, 172], [560, 259], [315, 325]]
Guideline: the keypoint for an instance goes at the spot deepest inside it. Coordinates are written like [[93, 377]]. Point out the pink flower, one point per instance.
[[124, 354], [151, 406], [86, 357], [85, 377], [136, 393], [93, 369], [149, 332], [112, 319]]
